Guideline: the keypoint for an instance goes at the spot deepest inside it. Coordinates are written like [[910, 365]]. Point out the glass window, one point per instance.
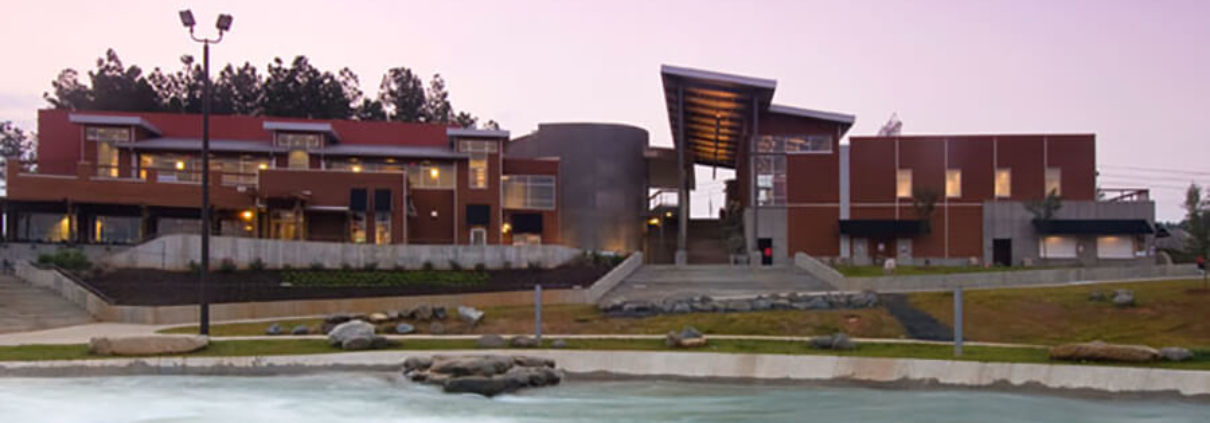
[[433, 176], [357, 227], [529, 192], [794, 144], [173, 225], [238, 170], [171, 167], [299, 159], [285, 224], [1057, 247], [903, 183], [117, 229], [107, 134], [1054, 181], [1115, 247], [953, 183], [478, 171], [1004, 182], [477, 146], [295, 140], [382, 228], [771, 180], [107, 159], [45, 227], [478, 236]]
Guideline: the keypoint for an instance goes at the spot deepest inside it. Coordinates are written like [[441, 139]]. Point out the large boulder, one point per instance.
[[523, 342], [487, 375], [1123, 298], [1175, 354], [486, 386], [404, 328], [274, 329], [470, 315], [485, 365], [439, 312], [490, 341], [689, 337], [422, 313], [147, 345], [300, 330], [838, 341], [349, 330], [1101, 351]]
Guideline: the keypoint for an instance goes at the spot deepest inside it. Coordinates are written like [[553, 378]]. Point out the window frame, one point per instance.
[[508, 182], [477, 177]]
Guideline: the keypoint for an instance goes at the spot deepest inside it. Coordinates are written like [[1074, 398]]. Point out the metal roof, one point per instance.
[[718, 109], [472, 132], [392, 151], [88, 119], [195, 144], [814, 114]]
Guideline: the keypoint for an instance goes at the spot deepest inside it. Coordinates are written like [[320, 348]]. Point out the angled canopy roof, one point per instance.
[[88, 119], [717, 106]]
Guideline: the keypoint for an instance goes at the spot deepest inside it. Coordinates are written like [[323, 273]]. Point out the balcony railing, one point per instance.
[[662, 198], [1123, 195]]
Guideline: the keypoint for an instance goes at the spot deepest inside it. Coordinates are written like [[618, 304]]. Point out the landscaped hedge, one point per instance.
[[66, 258], [339, 278]]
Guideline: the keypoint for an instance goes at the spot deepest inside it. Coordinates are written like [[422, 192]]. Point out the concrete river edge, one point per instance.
[[889, 372]]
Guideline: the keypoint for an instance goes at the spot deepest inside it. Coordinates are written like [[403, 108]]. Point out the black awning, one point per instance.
[[1093, 227], [881, 227], [527, 223]]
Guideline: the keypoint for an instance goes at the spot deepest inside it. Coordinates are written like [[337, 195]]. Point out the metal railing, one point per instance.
[[662, 198], [1123, 195]]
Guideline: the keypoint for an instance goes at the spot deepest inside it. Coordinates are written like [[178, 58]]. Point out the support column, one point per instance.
[[682, 192]]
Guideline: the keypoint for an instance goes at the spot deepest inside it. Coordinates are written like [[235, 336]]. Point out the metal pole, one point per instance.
[[958, 321], [682, 200], [538, 313], [204, 303]]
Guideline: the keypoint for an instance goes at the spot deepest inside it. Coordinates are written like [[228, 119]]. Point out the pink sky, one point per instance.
[[1137, 73]]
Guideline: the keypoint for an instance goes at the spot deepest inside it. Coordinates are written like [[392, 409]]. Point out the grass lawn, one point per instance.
[[586, 319], [1168, 313], [304, 346], [876, 271]]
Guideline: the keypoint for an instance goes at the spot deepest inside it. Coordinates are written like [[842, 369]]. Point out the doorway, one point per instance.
[[766, 250], [1002, 252]]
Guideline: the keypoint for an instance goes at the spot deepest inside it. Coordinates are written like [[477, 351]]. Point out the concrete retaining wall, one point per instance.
[[1015, 278], [818, 269], [614, 277], [175, 252], [687, 365], [167, 315]]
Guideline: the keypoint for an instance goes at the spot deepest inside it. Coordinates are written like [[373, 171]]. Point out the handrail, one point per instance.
[[1114, 195]]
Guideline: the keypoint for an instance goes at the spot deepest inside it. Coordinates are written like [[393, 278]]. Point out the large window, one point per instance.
[[238, 170], [529, 192], [432, 176], [117, 229], [1115, 247], [771, 180], [382, 228], [357, 227], [174, 225], [171, 167], [107, 159], [359, 165], [477, 146], [107, 134], [903, 183], [285, 224], [298, 141], [953, 183], [45, 227], [1057, 247], [299, 159], [1054, 177], [1004, 182], [478, 171], [794, 144]]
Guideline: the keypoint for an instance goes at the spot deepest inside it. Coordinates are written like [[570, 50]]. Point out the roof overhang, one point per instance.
[[718, 108], [91, 119], [195, 144], [323, 127], [392, 151], [476, 133], [839, 118], [1093, 227]]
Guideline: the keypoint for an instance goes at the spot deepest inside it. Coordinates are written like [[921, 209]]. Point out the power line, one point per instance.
[[1157, 169]]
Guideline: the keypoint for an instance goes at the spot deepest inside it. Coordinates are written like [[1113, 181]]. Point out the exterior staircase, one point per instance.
[[705, 243], [657, 282]]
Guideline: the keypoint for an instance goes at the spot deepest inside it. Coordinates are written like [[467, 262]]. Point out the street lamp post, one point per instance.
[[223, 24]]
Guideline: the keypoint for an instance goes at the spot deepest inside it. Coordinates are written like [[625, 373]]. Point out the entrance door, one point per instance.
[[1002, 252], [766, 250]]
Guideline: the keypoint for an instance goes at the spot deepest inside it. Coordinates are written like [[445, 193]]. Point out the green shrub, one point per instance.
[[315, 265], [66, 258], [195, 267], [382, 279], [370, 266], [480, 267], [227, 266], [454, 265], [427, 266], [257, 265]]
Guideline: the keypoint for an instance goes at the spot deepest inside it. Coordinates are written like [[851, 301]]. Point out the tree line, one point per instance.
[[295, 89]]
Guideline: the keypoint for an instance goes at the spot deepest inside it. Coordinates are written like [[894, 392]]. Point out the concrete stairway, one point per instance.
[[24, 308], [656, 282], [705, 243]]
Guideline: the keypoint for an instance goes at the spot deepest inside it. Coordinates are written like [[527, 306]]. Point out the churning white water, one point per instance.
[[363, 398]]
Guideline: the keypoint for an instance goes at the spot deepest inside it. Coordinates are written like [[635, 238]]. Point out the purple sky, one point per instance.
[[1137, 73]]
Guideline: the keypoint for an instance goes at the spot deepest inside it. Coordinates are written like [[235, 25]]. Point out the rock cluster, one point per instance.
[[1101, 351], [689, 337], [394, 320], [357, 335], [1175, 354], [487, 375], [706, 304], [838, 341], [1120, 297], [147, 345]]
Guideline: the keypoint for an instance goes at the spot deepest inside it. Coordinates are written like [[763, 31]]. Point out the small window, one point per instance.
[[431, 176], [107, 134], [478, 171], [357, 227], [107, 159], [1004, 183], [953, 183], [477, 146], [478, 236], [382, 200], [299, 159], [357, 199], [382, 228], [1054, 177], [298, 141], [903, 183]]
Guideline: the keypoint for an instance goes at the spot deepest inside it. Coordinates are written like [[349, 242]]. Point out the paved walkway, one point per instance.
[[24, 307], [658, 282]]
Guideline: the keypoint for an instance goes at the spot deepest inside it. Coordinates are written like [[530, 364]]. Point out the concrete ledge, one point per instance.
[[819, 269], [1117, 380], [185, 314], [615, 276], [1015, 278]]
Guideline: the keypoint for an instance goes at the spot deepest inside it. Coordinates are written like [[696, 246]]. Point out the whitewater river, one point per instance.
[[364, 398]]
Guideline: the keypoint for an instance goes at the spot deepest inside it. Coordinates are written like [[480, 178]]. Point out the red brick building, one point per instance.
[[111, 177]]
